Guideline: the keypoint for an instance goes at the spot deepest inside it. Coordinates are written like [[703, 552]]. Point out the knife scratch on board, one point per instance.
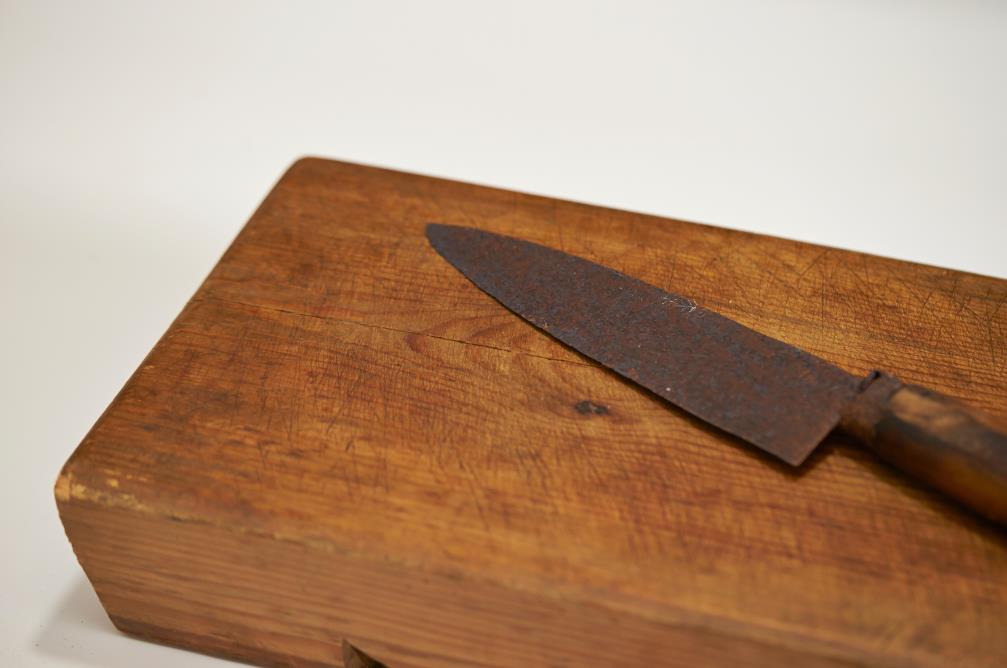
[[354, 658]]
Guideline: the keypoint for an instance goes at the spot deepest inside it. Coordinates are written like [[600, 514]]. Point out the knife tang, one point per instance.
[[935, 439]]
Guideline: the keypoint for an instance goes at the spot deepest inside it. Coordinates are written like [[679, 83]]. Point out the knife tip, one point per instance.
[[436, 228], [445, 237]]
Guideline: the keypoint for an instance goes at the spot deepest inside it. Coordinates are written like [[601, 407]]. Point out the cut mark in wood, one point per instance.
[[354, 658]]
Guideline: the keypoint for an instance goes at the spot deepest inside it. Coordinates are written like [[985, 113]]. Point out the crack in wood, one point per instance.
[[203, 298]]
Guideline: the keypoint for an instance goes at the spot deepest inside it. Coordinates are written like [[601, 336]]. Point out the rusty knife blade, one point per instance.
[[765, 391]]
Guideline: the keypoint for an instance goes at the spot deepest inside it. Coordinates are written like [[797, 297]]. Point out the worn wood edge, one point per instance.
[[69, 501], [675, 636], [63, 478], [306, 161]]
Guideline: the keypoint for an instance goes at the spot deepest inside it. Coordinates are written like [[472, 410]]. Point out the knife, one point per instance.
[[764, 391]]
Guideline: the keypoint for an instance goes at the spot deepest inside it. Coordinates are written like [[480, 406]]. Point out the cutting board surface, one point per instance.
[[341, 437]]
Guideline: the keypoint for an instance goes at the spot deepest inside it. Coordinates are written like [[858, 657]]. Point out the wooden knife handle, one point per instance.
[[935, 439]]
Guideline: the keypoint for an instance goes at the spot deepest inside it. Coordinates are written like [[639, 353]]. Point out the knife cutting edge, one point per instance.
[[767, 392]]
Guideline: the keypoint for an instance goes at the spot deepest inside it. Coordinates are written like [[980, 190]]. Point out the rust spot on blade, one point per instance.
[[767, 392]]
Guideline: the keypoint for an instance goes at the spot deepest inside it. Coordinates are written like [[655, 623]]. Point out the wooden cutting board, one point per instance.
[[340, 437]]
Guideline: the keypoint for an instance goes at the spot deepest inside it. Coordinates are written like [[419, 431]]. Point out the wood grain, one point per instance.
[[340, 438]]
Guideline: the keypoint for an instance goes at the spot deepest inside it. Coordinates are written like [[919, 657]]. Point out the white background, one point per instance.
[[136, 138]]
